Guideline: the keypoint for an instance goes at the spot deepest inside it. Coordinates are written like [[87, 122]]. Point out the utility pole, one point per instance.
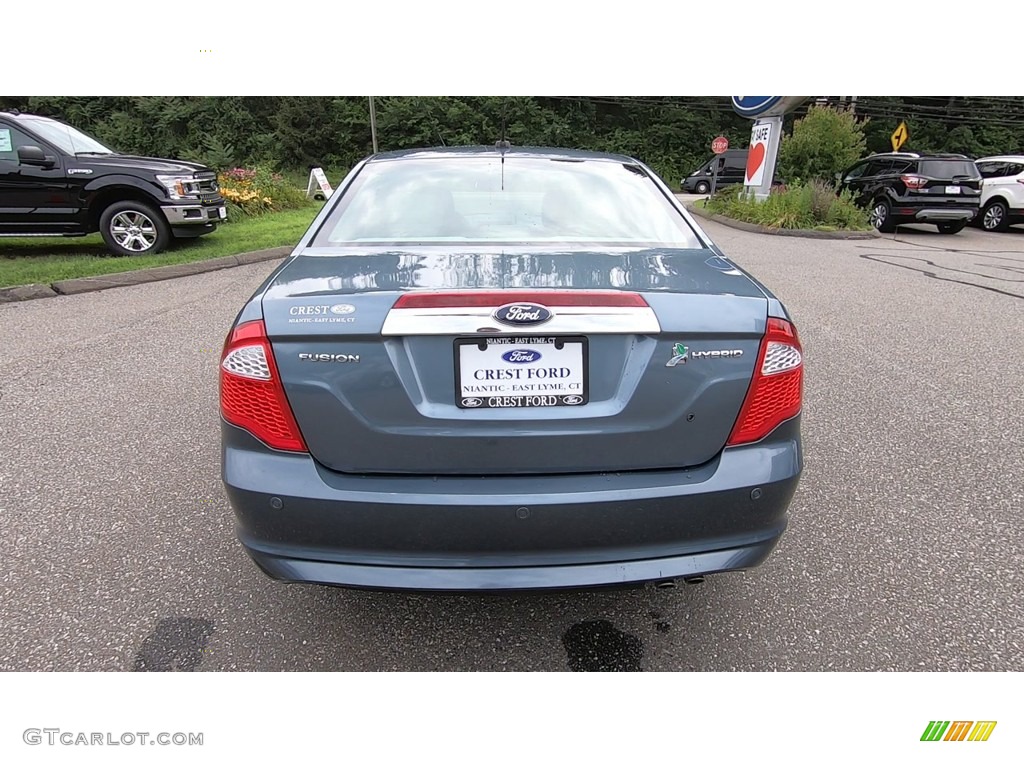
[[373, 125]]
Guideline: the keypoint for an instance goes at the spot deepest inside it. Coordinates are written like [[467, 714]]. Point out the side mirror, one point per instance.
[[35, 156]]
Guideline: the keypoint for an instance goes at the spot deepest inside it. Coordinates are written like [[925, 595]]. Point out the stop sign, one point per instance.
[[719, 145]]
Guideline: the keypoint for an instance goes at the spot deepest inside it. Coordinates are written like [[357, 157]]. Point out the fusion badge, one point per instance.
[[312, 357]]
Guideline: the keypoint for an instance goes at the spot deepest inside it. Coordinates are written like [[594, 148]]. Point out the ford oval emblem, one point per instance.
[[751, 106], [342, 309], [572, 399], [765, 106], [522, 313], [521, 356], [472, 402]]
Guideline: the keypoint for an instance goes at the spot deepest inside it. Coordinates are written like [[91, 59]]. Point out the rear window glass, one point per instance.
[[947, 169], [524, 200]]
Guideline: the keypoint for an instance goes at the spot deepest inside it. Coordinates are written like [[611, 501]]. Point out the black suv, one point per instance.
[[905, 188], [56, 180]]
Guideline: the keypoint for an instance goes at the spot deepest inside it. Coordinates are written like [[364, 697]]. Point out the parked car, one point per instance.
[[508, 368], [1002, 192], [907, 188], [56, 180], [732, 168]]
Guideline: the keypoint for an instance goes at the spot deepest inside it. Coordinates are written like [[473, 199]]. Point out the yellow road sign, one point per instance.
[[899, 137]]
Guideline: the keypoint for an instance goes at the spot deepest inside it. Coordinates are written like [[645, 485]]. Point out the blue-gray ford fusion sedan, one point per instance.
[[508, 368]]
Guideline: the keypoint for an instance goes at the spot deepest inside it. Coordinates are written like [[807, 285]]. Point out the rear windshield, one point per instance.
[[947, 169], [524, 200]]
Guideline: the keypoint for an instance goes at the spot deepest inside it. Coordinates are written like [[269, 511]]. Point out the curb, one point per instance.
[[808, 233], [137, 277]]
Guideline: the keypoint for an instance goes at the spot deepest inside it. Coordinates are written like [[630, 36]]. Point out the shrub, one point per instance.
[[799, 206], [823, 143], [255, 191]]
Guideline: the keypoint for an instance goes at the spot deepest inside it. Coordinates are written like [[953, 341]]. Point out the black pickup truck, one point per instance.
[[57, 181]]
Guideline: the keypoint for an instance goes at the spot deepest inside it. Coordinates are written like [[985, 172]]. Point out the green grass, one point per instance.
[[802, 206], [46, 260]]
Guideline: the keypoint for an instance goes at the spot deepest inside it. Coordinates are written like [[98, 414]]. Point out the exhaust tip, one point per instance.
[[666, 584], [694, 580]]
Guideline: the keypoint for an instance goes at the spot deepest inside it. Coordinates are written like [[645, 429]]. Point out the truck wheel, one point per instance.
[[703, 187], [130, 228]]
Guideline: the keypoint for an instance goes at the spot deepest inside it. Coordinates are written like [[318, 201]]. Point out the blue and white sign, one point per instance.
[[754, 106], [765, 106]]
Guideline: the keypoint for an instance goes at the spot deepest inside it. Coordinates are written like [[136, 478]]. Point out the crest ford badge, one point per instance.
[[522, 313]]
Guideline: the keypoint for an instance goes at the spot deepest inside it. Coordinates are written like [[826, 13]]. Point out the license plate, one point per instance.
[[222, 212], [521, 372], [952, 190]]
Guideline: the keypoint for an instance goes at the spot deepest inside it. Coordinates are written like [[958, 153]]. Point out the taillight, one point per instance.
[[251, 394], [914, 182], [776, 391]]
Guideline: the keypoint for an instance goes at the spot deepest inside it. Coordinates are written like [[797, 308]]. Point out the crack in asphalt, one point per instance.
[[954, 269], [882, 258]]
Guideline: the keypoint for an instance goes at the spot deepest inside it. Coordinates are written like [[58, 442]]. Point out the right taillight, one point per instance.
[[914, 182], [251, 394], [776, 391]]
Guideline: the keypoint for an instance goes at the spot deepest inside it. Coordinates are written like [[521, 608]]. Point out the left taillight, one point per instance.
[[251, 393], [914, 182], [776, 391]]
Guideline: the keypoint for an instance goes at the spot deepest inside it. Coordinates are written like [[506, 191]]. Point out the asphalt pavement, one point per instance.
[[905, 550]]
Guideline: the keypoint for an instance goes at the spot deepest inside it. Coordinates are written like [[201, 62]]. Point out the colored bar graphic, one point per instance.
[[935, 730], [982, 730], [958, 730]]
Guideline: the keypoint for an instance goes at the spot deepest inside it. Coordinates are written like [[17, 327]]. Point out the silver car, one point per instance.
[[509, 368]]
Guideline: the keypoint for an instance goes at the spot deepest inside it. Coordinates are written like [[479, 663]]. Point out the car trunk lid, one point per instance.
[[395, 362], [949, 181]]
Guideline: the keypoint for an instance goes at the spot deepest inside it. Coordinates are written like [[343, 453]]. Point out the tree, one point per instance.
[[823, 143]]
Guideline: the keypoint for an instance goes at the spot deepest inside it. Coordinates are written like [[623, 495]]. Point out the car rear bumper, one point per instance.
[[302, 522], [906, 212], [945, 214]]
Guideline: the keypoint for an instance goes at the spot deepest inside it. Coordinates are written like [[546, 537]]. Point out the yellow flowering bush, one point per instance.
[[256, 191]]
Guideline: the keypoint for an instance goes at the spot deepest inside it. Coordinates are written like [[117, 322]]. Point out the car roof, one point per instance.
[[916, 156], [550, 153], [1002, 158], [893, 154], [15, 115]]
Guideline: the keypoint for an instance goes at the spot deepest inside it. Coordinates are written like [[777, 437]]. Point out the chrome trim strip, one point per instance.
[[460, 321]]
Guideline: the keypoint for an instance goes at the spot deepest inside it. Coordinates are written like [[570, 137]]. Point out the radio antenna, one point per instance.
[[503, 144]]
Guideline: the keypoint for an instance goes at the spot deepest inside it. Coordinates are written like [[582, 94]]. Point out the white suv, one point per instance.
[[1002, 192]]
